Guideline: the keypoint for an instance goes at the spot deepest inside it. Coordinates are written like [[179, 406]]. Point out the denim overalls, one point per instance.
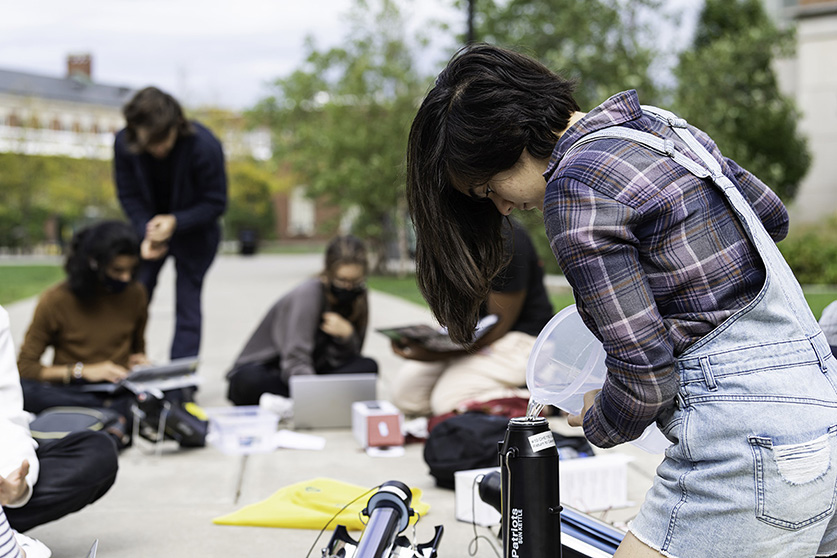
[[753, 468]]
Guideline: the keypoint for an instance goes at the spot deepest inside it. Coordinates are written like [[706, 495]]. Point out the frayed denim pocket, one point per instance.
[[795, 483]]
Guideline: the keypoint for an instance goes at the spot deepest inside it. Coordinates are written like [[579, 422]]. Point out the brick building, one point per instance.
[[71, 116]]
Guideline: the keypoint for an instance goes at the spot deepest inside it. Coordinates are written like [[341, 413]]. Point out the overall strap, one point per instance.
[[711, 169], [655, 143]]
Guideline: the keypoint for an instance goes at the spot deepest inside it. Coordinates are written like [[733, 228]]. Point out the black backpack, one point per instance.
[[188, 430], [471, 441], [462, 442]]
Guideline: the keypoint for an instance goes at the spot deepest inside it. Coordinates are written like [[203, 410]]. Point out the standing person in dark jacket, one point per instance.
[[171, 182]]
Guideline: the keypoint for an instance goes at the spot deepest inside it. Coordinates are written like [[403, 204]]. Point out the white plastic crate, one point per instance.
[[242, 430], [595, 483]]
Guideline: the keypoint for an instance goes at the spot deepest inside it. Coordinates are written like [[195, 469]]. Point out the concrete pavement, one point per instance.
[[164, 506]]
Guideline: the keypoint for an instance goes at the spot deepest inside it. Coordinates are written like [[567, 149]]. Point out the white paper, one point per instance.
[[296, 440], [390, 451]]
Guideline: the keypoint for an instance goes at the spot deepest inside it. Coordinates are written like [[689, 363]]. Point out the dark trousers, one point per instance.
[[75, 471], [249, 381], [193, 255], [40, 396]]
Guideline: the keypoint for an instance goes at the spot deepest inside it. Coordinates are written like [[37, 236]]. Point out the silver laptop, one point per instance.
[[325, 400], [177, 368]]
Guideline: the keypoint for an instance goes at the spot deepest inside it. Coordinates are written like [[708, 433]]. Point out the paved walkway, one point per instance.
[[164, 506]]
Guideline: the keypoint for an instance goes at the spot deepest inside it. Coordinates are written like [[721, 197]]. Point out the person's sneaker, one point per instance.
[[32, 547], [282, 406]]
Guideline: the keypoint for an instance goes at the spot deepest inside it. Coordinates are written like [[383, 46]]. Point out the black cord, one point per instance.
[[333, 517], [473, 546]]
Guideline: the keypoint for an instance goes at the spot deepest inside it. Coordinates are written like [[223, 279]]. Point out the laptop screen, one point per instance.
[[325, 400]]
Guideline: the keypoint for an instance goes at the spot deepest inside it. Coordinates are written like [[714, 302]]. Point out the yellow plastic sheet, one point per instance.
[[311, 505]]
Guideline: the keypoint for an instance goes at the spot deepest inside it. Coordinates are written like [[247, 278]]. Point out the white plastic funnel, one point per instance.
[[566, 362]]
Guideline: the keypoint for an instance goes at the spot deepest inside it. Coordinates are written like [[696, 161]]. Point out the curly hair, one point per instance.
[[92, 249]]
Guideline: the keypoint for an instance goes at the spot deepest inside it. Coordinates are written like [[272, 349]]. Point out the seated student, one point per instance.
[[95, 322], [317, 328], [18, 545], [434, 383], [41, 483]]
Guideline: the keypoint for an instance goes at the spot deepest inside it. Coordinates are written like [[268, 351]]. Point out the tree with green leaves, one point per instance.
[[605, 44], [341, 120], [728, 88], [36, 188], [251, 189]]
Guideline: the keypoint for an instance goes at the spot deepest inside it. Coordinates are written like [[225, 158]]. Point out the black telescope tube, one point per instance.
[[379, 534], [389, 514]]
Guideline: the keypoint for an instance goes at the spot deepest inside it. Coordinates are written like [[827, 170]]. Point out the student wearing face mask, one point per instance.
[[94, 321], [317, 328]]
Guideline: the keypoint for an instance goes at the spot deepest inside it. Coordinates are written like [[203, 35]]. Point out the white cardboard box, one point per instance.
[[377, 424], [469, 506]]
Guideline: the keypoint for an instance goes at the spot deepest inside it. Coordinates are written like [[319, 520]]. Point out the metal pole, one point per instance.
[[471, 37]]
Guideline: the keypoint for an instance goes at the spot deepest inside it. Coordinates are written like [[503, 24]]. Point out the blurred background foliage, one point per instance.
[[339, 122], [726, 85]]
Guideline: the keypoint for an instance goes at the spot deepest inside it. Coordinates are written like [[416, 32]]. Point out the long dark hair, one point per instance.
[[157, 111], [487, 106], [92, 249], [348, 249]]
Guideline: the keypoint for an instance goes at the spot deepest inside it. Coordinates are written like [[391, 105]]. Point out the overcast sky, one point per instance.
[[205, 52], [218, 52]]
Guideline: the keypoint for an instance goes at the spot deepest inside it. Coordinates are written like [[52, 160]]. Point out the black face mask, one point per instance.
[[114, 286], [346, 296]]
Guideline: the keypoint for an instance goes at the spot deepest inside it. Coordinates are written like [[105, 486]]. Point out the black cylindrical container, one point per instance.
[[529, 493]]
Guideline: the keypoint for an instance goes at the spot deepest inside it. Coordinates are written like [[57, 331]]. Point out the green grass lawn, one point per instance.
[[406, 288], [818, 297], [22, 281]]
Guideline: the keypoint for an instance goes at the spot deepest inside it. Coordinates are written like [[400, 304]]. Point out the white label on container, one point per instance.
[[542, 441]]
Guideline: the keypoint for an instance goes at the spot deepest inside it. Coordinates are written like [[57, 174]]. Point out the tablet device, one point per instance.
[[436, 339], [174, 368]]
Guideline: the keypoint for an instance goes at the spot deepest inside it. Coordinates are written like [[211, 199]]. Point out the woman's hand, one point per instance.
[[106, 371], [138, 359], [413, 351], [589, 401], [13, 487], [336, 325]]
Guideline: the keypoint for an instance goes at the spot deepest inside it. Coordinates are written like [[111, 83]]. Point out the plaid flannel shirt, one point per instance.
[[655, 257]]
